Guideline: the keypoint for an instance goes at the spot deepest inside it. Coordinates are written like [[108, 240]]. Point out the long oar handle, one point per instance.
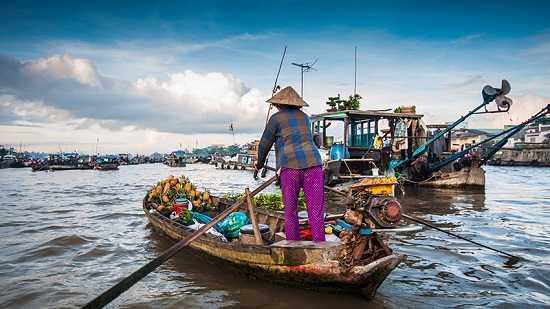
[[458, 236], [126, 283]]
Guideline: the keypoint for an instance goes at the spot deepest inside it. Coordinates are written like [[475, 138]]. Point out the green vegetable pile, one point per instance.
[[184, 217], [271, 201]]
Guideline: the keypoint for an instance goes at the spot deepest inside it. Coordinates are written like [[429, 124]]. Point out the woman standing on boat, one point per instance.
[[298, 162]]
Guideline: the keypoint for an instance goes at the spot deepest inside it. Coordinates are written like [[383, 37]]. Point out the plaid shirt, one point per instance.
[[289, 130]]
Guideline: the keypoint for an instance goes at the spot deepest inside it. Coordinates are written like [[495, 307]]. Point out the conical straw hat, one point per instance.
[[287, 96]]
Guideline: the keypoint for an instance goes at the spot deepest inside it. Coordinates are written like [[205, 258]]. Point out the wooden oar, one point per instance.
[[457, 236], [126, 283]]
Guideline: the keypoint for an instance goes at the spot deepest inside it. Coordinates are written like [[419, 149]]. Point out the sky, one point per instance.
[[155, 76]]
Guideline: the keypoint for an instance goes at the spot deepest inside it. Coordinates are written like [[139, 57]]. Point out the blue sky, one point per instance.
[[149, 76]]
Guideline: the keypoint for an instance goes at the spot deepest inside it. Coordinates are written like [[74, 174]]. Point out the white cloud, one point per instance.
[[69, 92], [196, 102], [31, 111]]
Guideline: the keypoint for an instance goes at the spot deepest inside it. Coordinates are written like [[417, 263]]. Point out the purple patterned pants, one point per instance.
[[311, 180]]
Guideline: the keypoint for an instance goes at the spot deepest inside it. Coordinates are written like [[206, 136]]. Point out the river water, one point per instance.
[[68, 236]]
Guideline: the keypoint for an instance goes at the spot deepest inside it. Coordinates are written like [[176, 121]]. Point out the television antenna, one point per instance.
[[306, 67]]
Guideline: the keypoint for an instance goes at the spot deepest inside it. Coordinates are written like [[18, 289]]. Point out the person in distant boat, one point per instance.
[[299, 164]]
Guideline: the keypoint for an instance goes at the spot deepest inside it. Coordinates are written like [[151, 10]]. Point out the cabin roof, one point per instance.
[[363, 115], [109, 157]]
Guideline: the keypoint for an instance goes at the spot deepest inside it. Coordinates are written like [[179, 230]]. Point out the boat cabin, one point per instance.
[[366, 141]]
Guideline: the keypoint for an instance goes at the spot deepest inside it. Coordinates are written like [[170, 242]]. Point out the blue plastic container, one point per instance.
[[337, 152], [180, 203]]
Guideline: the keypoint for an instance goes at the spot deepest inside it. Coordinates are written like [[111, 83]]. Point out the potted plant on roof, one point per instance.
[[353, 101], [345, 105], [332, 102]]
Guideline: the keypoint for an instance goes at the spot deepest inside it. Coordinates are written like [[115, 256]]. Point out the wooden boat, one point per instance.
[[40, 166], [63, 167], [106, 163], [177, 159], [239, 161], [471, 176], [370, 140], [86, 162], [523, 154], [357, 266], [467, 169], [63, 161], [15, 161], [7, 161]]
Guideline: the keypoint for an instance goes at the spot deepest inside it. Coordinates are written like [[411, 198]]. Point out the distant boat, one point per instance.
[[177, 159], [63, 161], [239, 161], [10, 160], [107, 163], [86, 162], [200, 160], [523, 154], [7, 161]]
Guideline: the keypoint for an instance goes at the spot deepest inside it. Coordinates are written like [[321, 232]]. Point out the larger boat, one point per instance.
[[63, 161], [358, 261], [371, 138], [397, 143]]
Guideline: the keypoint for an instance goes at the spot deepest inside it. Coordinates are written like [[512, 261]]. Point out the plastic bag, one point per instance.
[[201, 218], [231, 224], [196, 225]]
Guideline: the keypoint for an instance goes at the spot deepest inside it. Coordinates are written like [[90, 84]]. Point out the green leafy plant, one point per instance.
[[271, 201], [353, 102], [333, 101]]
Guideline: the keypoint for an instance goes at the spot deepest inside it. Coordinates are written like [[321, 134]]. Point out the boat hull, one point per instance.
[[63, 167], [172, 164], [303, 264], [235, 165], [103, 167], [466, 177], [40, 167]]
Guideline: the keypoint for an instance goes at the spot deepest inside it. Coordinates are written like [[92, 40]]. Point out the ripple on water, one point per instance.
[[68, 236]]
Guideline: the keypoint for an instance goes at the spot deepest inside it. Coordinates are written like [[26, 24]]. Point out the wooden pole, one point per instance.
[[257, 234]]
